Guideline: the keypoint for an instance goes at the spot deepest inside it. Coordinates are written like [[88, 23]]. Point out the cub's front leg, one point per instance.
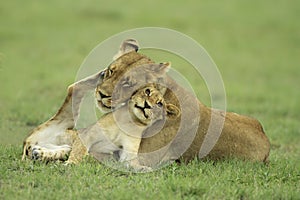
[[129, 154]]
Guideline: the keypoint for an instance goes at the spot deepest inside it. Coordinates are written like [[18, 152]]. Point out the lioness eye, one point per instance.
[[160, 104], [126, 84], [109, 72]]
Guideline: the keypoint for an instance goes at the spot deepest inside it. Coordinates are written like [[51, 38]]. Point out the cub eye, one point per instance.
[[160, 104]]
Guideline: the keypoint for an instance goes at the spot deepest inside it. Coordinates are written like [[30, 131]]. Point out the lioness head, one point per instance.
[[147, 105], [129, 72]]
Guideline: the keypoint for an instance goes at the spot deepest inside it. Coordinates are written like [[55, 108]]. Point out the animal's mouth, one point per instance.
[[104, 101], [141, 109], [103, 96], [103, 105]]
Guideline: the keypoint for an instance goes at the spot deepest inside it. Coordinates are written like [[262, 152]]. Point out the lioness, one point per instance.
[[241, 137], [121, 130]]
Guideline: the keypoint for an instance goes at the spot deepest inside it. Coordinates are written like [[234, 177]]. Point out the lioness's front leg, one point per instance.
[[51, 152], [55, 131]]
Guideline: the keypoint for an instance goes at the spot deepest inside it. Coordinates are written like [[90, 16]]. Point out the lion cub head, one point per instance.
[[147, 105], [129, 72]]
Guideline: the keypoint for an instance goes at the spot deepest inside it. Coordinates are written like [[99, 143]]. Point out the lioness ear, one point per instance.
[[173, 111], [127, 46], [159, 69]]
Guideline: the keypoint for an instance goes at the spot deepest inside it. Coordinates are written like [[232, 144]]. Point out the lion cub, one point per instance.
[[121, 130]]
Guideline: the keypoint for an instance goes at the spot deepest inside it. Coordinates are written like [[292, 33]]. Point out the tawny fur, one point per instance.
[[241, 137], [121, 130]]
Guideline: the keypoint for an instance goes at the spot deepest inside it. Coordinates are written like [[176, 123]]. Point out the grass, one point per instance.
[[230, 179], [255, 45]]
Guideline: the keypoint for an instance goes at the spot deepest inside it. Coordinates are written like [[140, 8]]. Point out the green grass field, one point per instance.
[[255, 44]]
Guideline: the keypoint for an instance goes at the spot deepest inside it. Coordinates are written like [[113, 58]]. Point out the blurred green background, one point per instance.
[[255, 44]]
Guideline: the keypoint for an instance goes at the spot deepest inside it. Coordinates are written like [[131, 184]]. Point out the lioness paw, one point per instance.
[[142, 168], [48, 154], [135, 166], [37, 153]]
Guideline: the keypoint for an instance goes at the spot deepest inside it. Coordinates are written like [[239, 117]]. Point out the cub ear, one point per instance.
[[127, 46], [173, 111], [159, 69]]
